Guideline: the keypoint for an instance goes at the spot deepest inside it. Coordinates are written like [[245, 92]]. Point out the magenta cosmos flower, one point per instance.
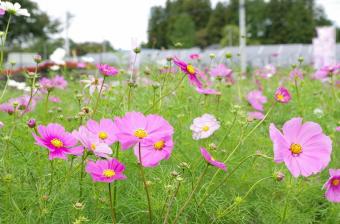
[[57, 141], [106, 170], [302, 147], [92, 142], [211, 160], [107, 70], [256, 99], [154, 150], [221, 71], [282, 95], [332, 186], [296, 74], [103, 130], [135, 128], [255, 115], [190, 71], [194, 56], [19, 104]]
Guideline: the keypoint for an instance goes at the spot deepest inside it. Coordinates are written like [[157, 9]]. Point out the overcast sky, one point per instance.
[[120, 21]]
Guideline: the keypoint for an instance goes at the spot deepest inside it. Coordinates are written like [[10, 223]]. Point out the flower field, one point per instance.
[[182, 142]]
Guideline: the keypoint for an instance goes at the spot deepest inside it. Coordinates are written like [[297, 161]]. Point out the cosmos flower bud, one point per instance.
[[86, 110], [279, 176], [12, 63], [301, 59], [179, 178], [137, 50], [31, 123], [169, 58], [78, 205], [44, 197], [212, 56], [212, 146], [174, 173], [37, 58], [228, 55]]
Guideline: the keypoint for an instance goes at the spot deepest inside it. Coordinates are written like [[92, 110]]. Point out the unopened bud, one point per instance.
[[31, 123], [37, 58]]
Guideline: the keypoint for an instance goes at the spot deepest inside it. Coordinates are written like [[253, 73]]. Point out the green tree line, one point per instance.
[[197, 23]]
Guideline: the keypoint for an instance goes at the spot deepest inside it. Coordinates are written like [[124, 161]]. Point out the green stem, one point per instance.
[[115, 183], [51, 181], [298, 96], [98, 97], [46, 101], [113, 216], [171, 202], [81, 176], [144, 182], [284, 214], [3, 43], [191, 195]]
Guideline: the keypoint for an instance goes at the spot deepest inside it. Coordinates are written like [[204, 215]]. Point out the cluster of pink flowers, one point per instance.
[[57, 82], [325, 72], [19, 104]]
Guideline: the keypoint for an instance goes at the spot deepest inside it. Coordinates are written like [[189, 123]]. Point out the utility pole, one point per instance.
[[67, 26], [242, 24]]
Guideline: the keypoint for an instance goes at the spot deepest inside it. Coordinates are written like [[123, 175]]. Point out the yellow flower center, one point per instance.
[[109, 173], [57, 143], [93, 147], [335, 182], [140, 133], [159, 145], [102, 135], [212, 159], [205, 128], [279, 97], [296, 148], [191, 69]]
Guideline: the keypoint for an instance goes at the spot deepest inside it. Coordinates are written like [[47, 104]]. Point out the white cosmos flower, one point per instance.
[[204, 126], [93, 84], [14, 9]]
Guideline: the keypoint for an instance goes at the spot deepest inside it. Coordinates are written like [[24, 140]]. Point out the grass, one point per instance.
[[25, 170]]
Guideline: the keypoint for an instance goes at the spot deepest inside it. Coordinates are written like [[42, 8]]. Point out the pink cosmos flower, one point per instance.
[[190, 71], [54, 99], [106, 170], [107, 70], [326, 71], [266, 72], [194, 56], [57, 141], [332, 186], [103, 130], [135, 128], [296, 74], [302, 147], [154, 150], [337, 128], [256, 115], [282, 95], [208, 91], [2, 12], [92, 142], [57, 82], [256, 99], [211, 160], [221, 71]]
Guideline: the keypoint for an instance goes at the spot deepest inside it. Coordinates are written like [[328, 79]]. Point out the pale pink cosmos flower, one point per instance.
[[135, 128], [266, 72], [103, 130], [190, 71], [19, 104], [204, 126], [107, 70], [221, 71], [59, 142], [54, 99], [296, 73], [282, 95], [94, 84], [92, 142], [47, 85], [106, 170], [211, 160], [154, 150], [255, 115], [337, 128], [324, 72], [302, 147], [256, 99], [332, 186]]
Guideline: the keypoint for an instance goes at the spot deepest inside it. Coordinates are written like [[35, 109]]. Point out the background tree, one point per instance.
[[183, 31]]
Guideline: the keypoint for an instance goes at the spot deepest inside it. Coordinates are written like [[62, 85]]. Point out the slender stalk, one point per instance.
[[228, 209], [298, 95], [3, 42], [98, 97], [191, 195], [51, 181], [335, 96], [115, 183], [170, 203], [165, 95], [113, 216], [144, 182], [5, 88], [81, 176], [129, 98], [46, 101], [284, 214]]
